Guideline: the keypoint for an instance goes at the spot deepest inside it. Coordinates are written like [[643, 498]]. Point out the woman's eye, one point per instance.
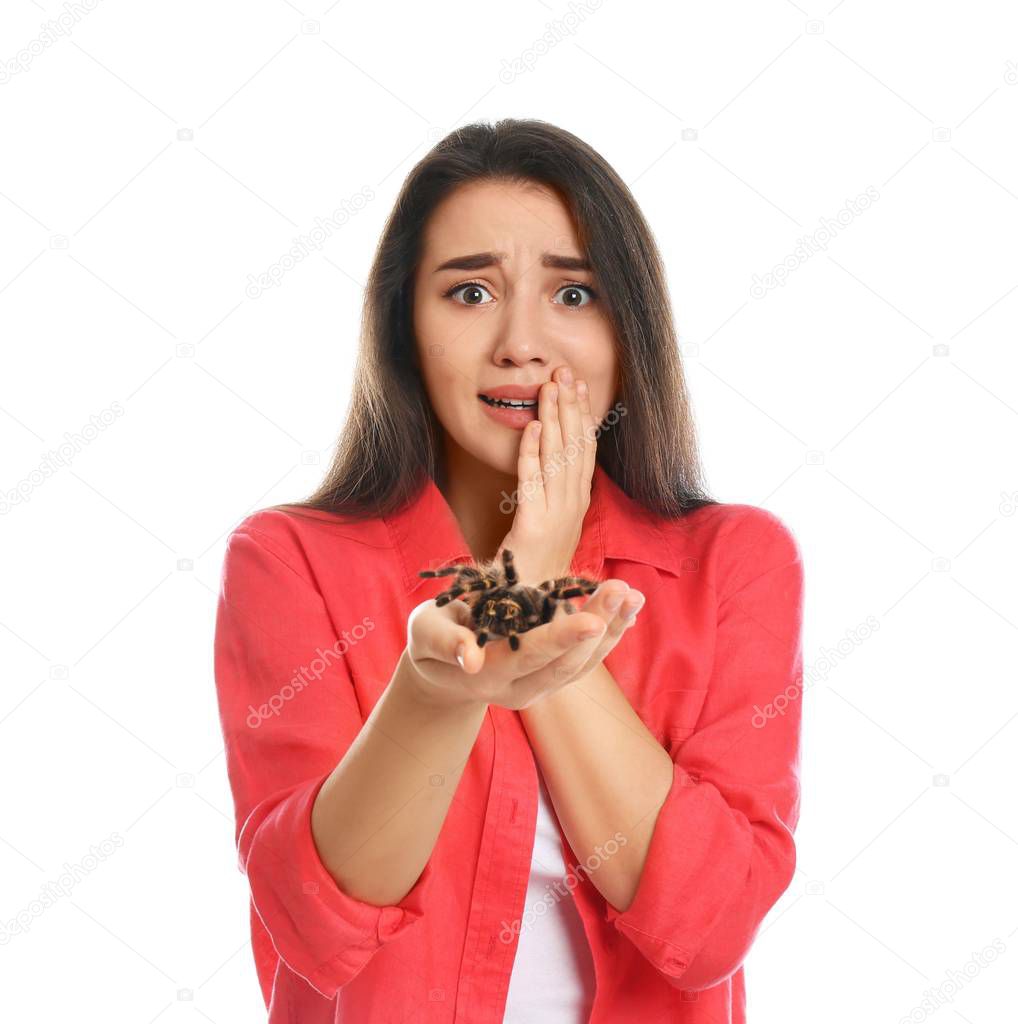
[[472, 294], [574, 293], [472, 290]]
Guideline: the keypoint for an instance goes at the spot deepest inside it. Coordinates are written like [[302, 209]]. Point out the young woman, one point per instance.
[[591, 827]]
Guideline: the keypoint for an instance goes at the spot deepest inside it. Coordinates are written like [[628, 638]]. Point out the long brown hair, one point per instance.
[[392, 437]]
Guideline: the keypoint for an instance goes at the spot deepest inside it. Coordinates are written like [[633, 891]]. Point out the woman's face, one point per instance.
[[501, 315]]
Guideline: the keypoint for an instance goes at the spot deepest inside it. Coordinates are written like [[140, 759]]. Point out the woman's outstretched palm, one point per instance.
[[550, 656]]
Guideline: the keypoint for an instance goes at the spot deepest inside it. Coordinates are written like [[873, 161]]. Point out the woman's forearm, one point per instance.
[[606, 773], [377, 817]]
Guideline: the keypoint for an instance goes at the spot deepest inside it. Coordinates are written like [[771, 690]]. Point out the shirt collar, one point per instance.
[[427, 535]]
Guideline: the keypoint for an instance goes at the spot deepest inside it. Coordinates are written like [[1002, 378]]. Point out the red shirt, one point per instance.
[[311, 622]]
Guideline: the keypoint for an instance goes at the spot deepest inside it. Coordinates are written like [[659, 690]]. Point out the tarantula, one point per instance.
[[504, 606]]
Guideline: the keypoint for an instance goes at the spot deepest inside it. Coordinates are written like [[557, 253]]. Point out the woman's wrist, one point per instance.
[[421, 691]]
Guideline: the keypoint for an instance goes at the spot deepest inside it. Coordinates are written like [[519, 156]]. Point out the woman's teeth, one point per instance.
[[509, 403]]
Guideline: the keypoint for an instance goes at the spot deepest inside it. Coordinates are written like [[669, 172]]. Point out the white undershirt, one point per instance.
[[553, 972]]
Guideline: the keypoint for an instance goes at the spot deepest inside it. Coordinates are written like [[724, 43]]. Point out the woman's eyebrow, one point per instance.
[[487, 259]]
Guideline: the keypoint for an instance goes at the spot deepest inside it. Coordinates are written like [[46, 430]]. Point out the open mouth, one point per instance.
[[509, 403]]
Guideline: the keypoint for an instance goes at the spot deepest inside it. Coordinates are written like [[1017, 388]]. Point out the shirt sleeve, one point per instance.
[[722, 851], [289, 712]]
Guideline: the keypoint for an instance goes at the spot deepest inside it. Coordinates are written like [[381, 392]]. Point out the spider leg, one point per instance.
[[468, 580], [485, 622], [578, 591], [557, 584], [514, 641], [567, 581], [448, 595], [547, 609], [486, 583], [510, 569], [461, 572]]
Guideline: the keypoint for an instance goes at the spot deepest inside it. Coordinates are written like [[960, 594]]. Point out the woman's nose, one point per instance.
[[518, 333]]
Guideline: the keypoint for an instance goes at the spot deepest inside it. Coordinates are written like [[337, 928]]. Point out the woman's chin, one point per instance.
[[494, 453], [502, 459]]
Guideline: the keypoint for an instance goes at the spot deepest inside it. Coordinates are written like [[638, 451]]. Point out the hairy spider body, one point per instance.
[[500, 604]]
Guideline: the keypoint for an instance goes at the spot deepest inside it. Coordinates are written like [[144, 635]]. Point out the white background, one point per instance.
[[871, 401]]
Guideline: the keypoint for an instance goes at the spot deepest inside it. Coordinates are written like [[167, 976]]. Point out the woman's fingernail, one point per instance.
[[630, 610], [581, 388], [460, 651], [612, 603], [566, 376]]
